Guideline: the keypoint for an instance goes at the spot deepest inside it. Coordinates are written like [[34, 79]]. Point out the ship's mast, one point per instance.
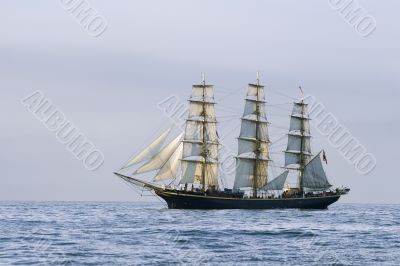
[[298, 152], [257, 150], [204, 153], [302, 162], [199, 163], [253, 154]]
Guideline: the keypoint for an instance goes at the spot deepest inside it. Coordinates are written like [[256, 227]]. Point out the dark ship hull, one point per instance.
[[182, 200]]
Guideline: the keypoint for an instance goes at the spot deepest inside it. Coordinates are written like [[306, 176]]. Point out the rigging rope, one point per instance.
[[230, 93], [282, 94]]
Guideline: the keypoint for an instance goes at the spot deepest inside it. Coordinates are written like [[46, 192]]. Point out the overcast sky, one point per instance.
[[109, 86]]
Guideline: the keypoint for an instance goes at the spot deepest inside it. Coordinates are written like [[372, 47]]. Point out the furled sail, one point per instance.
[[298, 151], [200, 143], [150, 151], [314, 176], [158, 161], [278, 183], [253, 153]]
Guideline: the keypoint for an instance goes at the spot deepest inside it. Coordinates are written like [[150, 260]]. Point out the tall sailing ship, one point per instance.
[[196, 153]]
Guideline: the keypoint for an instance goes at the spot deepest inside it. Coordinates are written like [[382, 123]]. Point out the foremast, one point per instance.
[[204, 147], [200, 143], [253, 154]]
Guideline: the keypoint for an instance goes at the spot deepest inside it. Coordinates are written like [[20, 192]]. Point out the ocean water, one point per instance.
[[99, 233]]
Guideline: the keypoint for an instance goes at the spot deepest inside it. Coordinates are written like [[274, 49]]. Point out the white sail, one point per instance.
[[253, 152], [314, 175], [194, 151], [170, 168], [196, 112], [202, 93], [200, 143], [161, 158], [211, 177], [150, 151], [247, 147], [245, 173], [255, 93], [249, 130], [250, 109], [296, 143], [292, 159], [211, 133], [191, 172], [295, 125], [278, 183], [298, 149], [300, 109], [194, 131]]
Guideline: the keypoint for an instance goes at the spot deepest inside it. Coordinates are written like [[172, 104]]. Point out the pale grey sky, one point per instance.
[[109, 86]]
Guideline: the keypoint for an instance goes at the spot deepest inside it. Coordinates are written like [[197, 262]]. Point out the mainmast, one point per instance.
[[200, 144], [257, 141], [252, 159]]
